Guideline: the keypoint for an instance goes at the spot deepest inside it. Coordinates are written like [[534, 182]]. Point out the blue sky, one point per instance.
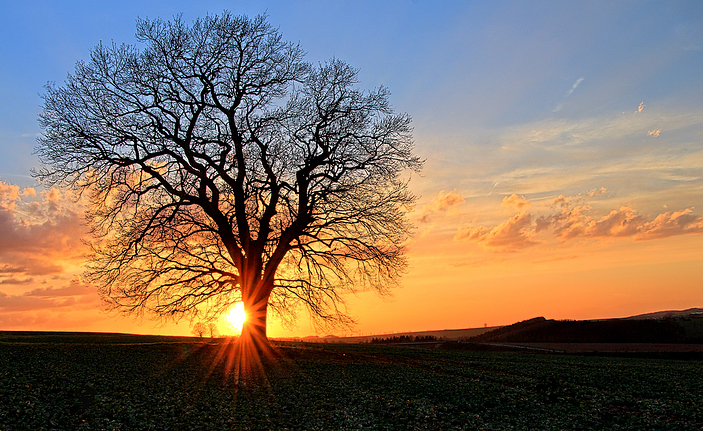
[[461, 69], [567, 114]]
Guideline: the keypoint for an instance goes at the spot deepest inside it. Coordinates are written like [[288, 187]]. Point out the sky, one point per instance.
[[563, 143]]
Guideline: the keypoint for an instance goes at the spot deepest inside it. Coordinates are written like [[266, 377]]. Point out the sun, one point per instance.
[[235, 317]]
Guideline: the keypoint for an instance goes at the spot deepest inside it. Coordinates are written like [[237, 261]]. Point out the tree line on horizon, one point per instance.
[[405, 339]]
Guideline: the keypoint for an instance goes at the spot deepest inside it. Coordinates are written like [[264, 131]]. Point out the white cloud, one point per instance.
[[560, 106], [573, 87]]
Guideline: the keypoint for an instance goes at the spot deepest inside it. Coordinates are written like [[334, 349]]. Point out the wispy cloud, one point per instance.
[[18, 281], [573, 88], [11, 269], [74, 288], [71, 295], [559, 155]]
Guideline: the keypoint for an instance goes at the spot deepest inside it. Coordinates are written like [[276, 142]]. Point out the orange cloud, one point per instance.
[[569, 223], [576, 222], [443, 202], [59, 237], [515, 201], [40, 234], [622, 222], [671, 224], [13, 280], [11, 269], [74, 288], [513, 234], [73, 294], [596, 192], [9, 195], [561, 201], [625, 222]]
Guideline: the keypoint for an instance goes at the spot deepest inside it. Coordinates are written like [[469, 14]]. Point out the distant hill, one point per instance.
[[642, 328], [669, 313], [541, 330]]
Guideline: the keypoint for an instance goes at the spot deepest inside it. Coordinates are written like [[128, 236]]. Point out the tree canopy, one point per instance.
[[223, 167]]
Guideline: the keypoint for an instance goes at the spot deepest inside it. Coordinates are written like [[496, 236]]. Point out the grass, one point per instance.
[[83, 381]]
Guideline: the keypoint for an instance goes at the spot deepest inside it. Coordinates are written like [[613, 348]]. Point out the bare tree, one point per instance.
[[212, 330], [221, 167], [199, 329]]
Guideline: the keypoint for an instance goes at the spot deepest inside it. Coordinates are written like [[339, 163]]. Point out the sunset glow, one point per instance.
[[563, 148], [235, 318]]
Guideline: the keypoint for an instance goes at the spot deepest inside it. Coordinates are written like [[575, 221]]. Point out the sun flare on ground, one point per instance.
[[235, 317]]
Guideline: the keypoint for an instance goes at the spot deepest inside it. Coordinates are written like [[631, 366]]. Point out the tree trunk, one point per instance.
[[253, 338], [246, 356]]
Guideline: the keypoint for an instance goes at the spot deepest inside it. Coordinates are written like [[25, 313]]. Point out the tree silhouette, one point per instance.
[[222, 167], [212, 330], [199, 329]]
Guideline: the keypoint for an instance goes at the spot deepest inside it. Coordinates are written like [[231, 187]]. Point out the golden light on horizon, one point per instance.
[[235, 318]]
